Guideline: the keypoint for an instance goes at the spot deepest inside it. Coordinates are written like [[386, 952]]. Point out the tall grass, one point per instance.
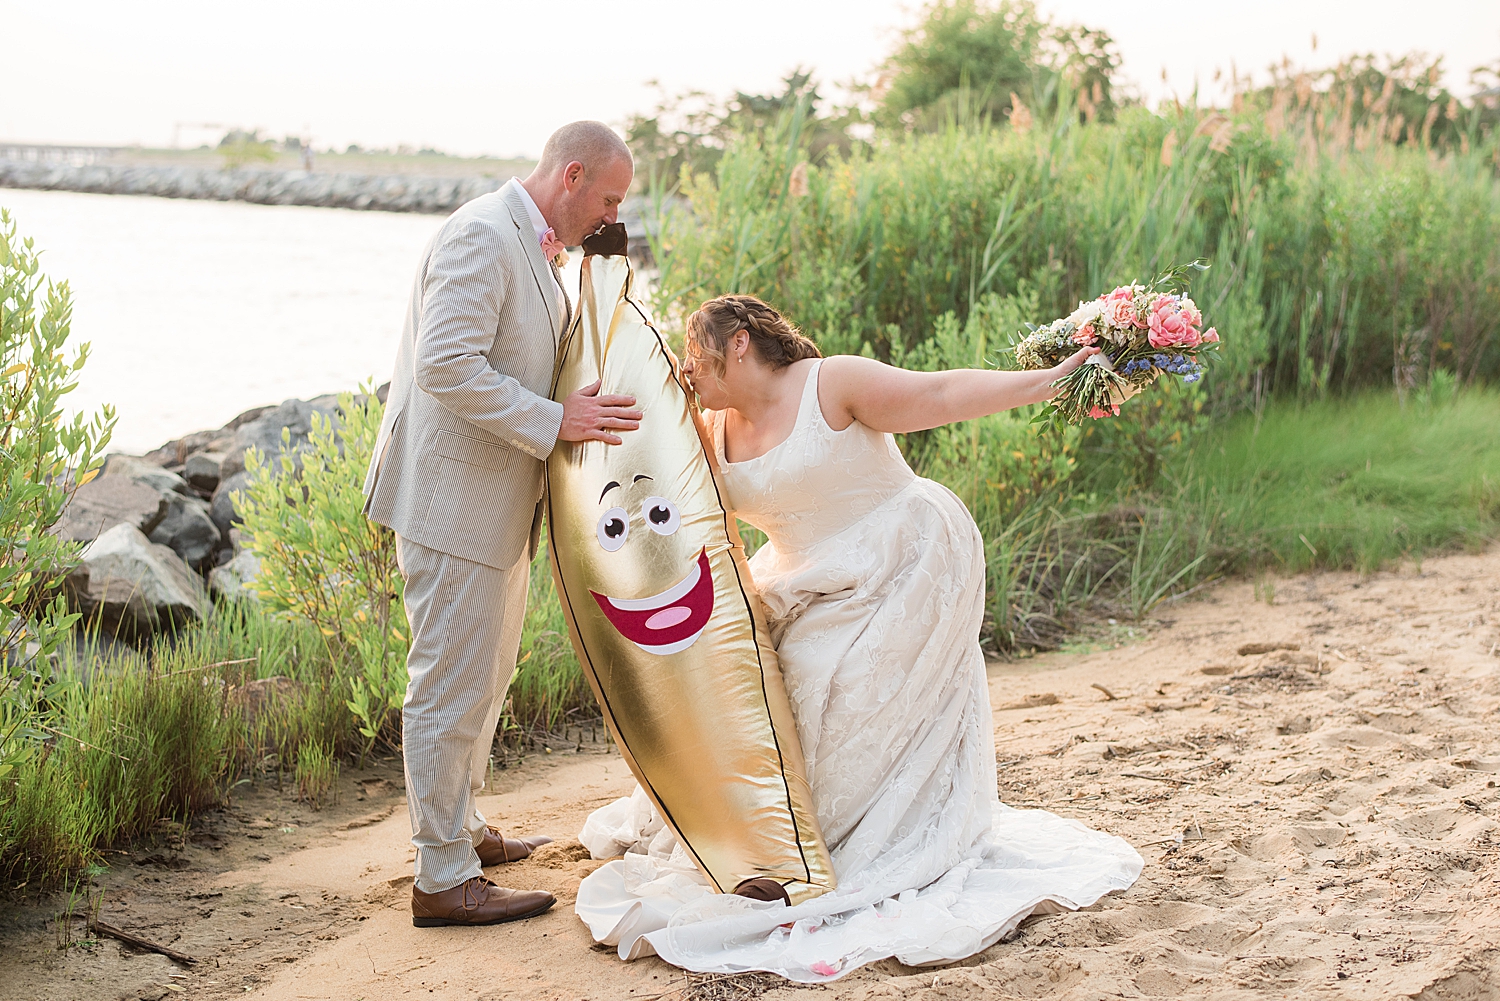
[[137, 737], [548, 689], [1347, 484], [139, 747], [1353, 483], [1339, 258]]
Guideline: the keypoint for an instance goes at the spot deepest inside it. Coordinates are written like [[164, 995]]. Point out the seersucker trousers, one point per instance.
[[466, 627]]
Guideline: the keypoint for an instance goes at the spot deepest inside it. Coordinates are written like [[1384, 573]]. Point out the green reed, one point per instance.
[[1334, 258]]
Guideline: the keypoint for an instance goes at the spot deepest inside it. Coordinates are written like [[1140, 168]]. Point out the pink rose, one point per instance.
[[1085, 335], [1170, 324], [1119, 308], [1210, 336]]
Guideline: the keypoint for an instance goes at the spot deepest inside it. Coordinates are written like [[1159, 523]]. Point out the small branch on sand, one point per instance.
[[1156, 778], [104, 928], [1109, 696], [1030, 702]]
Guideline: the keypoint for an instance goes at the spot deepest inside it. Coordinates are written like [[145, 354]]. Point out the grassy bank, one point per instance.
[[1352, 484], [145, 738], [1348, 484]]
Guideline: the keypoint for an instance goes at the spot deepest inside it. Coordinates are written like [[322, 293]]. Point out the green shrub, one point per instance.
[[43, 460], [548, 686], [1335, 260], [325, 563], [240, 148]]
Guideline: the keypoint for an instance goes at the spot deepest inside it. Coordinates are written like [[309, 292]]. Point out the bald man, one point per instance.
[[458, 474]]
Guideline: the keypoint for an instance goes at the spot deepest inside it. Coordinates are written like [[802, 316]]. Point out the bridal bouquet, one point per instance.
[[1142, 331]]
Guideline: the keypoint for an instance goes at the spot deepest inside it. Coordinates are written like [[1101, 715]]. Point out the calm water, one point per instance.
[[200, 310]]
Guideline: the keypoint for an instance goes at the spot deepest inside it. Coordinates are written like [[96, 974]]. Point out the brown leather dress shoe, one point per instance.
[[761, 888], [497, 849], [476, 902]]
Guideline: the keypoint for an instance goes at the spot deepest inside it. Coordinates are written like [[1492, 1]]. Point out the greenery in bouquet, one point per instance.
[[1142, 332]]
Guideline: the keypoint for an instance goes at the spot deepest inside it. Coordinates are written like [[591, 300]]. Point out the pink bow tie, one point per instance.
[[553, 249]]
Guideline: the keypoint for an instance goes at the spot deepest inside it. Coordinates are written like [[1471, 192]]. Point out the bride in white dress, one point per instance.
[[873, 583]]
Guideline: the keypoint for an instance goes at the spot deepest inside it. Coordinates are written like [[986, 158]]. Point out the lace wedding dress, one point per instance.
[[873, 581]]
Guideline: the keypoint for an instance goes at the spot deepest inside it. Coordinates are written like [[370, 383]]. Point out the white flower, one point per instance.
[[1086, 313]]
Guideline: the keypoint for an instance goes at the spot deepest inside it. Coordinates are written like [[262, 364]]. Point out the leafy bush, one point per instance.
[[548, 688], [1331, 262], [324, 562], [43, 460]]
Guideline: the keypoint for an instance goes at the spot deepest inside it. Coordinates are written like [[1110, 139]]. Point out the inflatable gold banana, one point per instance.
[[652, 577]]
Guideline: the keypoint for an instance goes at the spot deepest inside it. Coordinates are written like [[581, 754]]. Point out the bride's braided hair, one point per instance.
[[776, 342]]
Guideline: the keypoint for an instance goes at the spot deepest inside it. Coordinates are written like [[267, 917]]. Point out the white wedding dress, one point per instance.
[[873, 582]]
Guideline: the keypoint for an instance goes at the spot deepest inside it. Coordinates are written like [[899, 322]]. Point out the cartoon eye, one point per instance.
[[614, 527], [660, 515]]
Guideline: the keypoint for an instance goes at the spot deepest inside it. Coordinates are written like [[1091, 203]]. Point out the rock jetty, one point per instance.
[[389, 193], [385, 193], [160, 529]]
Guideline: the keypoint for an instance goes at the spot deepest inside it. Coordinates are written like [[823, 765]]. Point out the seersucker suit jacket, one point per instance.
[[458, 464]]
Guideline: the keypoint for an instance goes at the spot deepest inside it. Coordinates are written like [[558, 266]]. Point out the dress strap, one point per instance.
[[809, 403], [716, 433]]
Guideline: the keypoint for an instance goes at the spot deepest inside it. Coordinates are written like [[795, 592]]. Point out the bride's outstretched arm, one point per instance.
[[892, 399]]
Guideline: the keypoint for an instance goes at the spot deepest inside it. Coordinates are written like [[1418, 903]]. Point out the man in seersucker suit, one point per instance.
[[458, 475]]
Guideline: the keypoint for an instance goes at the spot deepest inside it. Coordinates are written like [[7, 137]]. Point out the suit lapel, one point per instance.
[[567, 303], [541, 268]]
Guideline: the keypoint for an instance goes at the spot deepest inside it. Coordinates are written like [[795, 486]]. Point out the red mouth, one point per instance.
[[668, 622]]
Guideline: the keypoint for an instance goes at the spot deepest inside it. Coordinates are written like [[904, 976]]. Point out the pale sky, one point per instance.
[[495, 76]]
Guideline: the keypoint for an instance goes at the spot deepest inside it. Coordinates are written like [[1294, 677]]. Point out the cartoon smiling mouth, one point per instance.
[[668, 622]]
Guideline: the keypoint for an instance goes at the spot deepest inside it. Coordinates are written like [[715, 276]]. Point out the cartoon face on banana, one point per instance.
[[672, 620]]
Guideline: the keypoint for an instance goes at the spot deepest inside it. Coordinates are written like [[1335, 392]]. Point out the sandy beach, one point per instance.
[[1310, 778]]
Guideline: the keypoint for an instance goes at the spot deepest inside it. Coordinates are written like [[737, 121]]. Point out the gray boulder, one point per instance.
[[133, 467], [133, 587], [106, 501], [189, 530], [234, 580], [176, 451], [202, 470], [222, 509], [265, 431]]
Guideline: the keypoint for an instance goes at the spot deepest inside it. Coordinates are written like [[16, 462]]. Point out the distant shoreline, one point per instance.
[[391, 191], [369, 192], [370, 162]]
